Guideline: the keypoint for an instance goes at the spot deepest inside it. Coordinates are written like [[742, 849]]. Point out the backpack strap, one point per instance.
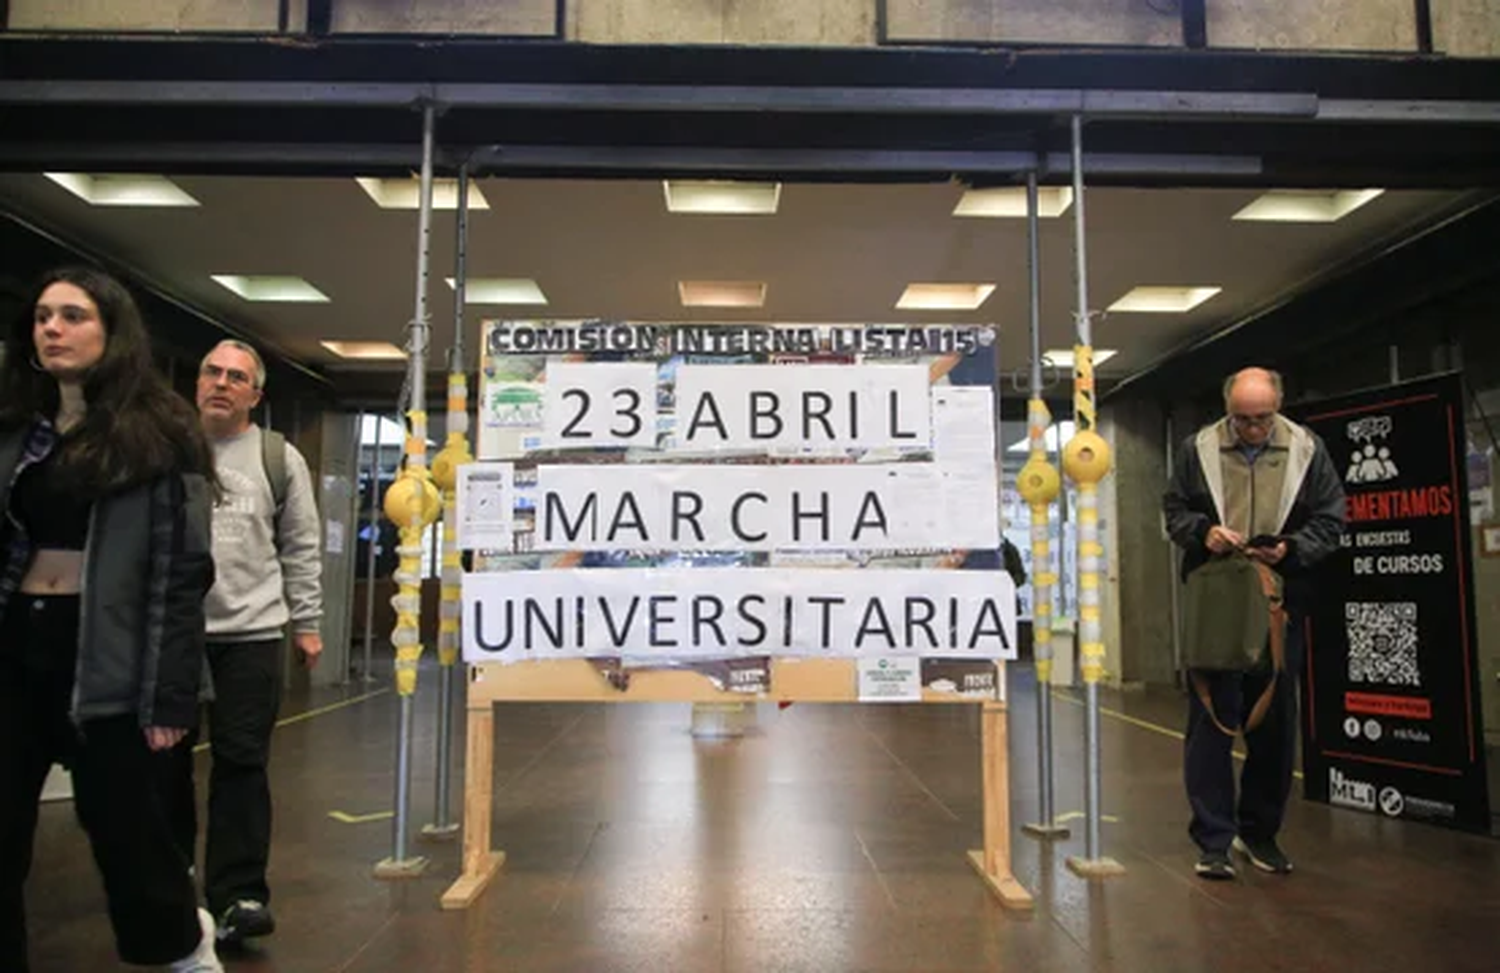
[[273, 458], [1270, 584]]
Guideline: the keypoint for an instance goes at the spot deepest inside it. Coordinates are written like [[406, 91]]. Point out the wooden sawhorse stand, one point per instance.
[[792, 680]]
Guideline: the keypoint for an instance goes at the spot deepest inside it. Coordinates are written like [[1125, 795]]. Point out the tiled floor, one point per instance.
[[831, 838]]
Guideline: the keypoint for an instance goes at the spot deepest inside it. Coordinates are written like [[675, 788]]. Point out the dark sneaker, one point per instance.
[[1214, 866], [1264, 855], [246, 919]]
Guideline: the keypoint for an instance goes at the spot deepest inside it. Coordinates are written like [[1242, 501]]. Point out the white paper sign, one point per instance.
[[963, 423], [890, 679], [684, 613], [600, 404], [486, 506], [820, 408], [760, 508]]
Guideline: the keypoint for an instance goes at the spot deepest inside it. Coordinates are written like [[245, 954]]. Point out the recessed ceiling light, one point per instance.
[[1307, 205], [1163, 300], [271, 288], [944, 297], [123, 190], [407, 193], [1057, 433], [718, 196], [1009, 202], [500, 290], [1063, 357], [722, 293], [365, 350]]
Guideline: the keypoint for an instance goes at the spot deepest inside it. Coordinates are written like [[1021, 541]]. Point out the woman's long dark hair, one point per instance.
[[135, 428]]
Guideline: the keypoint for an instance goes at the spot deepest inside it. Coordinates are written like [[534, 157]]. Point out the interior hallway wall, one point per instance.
[[1141, 580]]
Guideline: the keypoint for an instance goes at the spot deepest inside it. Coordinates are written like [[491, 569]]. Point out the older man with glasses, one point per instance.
[[266, 534], [1258, 486]]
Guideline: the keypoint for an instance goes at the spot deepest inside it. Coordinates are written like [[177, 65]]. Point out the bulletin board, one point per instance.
[[741, 513]]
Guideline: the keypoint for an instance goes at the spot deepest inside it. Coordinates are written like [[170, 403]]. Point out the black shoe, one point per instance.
[[1264, 855], [1214, 866], [246, 919]]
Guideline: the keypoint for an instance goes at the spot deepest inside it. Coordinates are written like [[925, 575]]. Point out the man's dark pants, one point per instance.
[[247, 679], [1271, 750]]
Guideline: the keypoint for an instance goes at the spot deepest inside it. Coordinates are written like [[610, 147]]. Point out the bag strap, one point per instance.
[[273, 458], [1257, 716]]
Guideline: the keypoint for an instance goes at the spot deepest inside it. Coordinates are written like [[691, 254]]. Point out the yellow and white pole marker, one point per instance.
[[412, 503], [1039, 485], [1086, 461], [445, 465]]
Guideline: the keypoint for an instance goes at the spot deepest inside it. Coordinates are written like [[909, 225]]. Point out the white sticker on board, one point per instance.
[[486, 506], [890, 679]]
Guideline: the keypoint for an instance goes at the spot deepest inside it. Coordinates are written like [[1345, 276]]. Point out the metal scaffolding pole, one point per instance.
[[1039, 484], [413, 503], [1086, 460], [454, 454], [368, 672]]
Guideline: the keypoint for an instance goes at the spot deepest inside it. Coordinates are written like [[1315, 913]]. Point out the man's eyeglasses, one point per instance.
[[232, 375], [1260, 421]]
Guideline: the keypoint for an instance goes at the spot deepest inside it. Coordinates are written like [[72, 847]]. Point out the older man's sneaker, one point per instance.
[[1264, 854], [203, 959], [246, 919], [1214, 866]]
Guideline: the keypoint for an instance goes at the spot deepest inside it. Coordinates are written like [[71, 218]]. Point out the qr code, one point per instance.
[[1383, 642]]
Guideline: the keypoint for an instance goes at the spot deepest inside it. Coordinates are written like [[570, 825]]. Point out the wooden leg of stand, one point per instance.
[[993, 863], [481, 862]]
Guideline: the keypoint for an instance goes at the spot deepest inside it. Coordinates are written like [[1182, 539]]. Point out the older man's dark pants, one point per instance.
[[1271, 749]]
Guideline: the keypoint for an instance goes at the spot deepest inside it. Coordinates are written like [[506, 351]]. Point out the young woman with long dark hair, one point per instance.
[[105, 481]]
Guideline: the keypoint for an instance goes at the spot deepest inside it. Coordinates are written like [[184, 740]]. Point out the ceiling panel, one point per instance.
[[833, 253]]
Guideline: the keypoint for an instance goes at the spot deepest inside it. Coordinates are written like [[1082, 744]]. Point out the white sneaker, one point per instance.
[[203, 959]]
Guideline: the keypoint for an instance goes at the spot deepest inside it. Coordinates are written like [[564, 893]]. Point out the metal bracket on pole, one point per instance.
[[1086, 460]]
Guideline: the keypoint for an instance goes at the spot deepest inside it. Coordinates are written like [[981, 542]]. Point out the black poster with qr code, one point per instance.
[[1391, 708]]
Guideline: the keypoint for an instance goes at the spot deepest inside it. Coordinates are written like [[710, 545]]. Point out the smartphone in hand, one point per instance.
[[1263, 540]]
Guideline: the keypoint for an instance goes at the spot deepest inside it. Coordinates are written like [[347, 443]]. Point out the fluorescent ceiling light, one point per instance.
[[1057, 432], [123, 190], [1063, 358], [365, 350], [1164, 300], [944, 297], [722, 293], [717, 196], [500, 290], [407, 193], [271, 288], [1009, 202], [1307, 205]]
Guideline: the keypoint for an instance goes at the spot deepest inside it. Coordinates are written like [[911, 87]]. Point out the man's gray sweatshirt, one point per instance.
[[262, 584]]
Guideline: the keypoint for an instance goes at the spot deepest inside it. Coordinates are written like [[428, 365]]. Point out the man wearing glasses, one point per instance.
[[268, 566], [1257, 484]]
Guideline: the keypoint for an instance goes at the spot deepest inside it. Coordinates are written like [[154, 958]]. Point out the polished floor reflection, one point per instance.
[[831, 838]]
